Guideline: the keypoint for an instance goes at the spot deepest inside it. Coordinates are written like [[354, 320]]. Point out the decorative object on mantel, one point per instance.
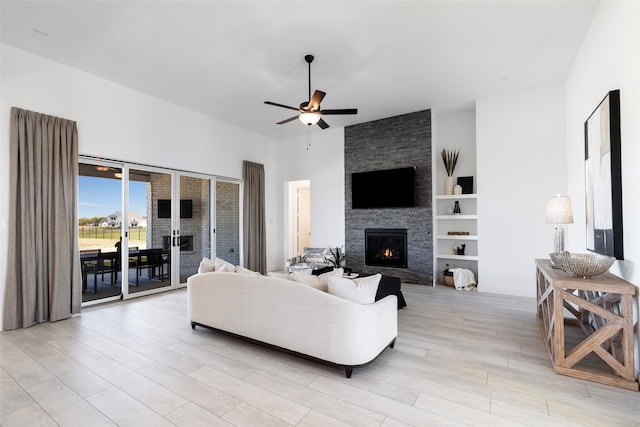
[[450, 159], [457, 190], [583, 265], [459, 250], [558, 213], [456, 208]]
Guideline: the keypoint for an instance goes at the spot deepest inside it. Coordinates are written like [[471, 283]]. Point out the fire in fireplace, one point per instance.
[[386, 247]]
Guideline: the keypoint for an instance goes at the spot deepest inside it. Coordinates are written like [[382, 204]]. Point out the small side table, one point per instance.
[[603, 308]]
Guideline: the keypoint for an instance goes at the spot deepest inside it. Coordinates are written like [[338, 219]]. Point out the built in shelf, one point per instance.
[[461, 257], [456, 237], [456, 216], [456, 196]]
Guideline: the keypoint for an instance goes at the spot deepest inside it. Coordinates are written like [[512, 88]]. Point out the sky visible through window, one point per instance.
[[100, 197]]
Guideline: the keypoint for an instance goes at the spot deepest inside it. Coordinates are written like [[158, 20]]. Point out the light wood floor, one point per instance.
[[460, 359]]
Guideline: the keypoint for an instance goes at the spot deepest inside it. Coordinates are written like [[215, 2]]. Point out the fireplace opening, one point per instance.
[[186, 243], [385, 247]]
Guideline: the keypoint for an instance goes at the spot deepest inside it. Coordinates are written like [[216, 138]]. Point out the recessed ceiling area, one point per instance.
[[385, 58]]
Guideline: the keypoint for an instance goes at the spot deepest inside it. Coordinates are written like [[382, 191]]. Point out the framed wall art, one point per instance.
[[603, 177]]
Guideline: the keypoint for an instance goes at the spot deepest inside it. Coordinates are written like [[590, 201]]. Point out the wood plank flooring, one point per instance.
[[460, 359]]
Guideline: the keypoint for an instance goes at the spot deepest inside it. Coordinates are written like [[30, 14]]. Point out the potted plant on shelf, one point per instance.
[[450, 159]]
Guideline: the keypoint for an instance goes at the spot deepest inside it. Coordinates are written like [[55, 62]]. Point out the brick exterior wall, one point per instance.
[[390, 143], [194, 189], [228, 221]]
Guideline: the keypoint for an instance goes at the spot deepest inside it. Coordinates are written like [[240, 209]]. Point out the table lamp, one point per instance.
[[559, 213]]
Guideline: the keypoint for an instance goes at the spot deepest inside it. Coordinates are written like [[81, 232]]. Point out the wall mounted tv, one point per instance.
[[164, 208], [391, 188]]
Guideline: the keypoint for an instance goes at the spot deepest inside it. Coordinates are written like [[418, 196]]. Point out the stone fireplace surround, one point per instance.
[[395, 142]]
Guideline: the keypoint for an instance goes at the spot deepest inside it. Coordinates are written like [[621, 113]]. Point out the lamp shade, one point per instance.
[[559, 210], [310, 119]]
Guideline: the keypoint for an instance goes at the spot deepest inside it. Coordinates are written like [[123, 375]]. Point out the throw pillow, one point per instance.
[[361, 290], [324, 278], [307, 279], [242, 270], [222, 265], [206, 266]]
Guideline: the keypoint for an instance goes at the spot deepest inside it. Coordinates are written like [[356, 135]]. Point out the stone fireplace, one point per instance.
[[385, 247], [395, 142]]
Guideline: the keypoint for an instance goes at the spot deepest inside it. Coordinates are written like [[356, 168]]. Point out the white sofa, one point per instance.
[[294, 317]]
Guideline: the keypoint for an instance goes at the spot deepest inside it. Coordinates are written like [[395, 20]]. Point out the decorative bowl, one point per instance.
[[556, 259], [583, 265]]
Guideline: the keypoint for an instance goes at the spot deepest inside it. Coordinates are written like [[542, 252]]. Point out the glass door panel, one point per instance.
[[99, 219], [227, 220], [148, 231], [194, 228]]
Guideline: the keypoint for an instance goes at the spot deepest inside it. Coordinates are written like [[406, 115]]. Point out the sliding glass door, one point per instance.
[[227, 221], [144, 229], [146, 258], [194, 228], [99, 228]]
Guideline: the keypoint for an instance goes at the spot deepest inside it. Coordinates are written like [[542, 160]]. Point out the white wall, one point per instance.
[[323, 165], [454, 129], [521, 159], [609, 59], [120, 123]]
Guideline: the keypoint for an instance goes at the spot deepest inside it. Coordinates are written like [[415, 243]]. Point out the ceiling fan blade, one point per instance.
[[287, 120], [280, 105], [323, 124], [340, 111], [316, 99]]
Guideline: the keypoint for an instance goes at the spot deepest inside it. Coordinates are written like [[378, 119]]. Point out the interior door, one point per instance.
[[303, 218]]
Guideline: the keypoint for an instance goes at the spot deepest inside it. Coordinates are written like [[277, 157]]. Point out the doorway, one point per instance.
[[298, 217]]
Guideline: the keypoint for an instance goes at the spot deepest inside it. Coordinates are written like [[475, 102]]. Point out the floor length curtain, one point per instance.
[[254, 239], [43, 281]]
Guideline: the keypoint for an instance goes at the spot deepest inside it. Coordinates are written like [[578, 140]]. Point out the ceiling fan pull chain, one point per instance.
[[308, 138]]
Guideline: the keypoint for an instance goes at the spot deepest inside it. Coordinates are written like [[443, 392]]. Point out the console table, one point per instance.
[[603, 308]]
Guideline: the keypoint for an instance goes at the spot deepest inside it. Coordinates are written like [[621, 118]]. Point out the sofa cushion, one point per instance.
[[242, 270], [307, 279], [206, 266], [361, 290], [320, 282], [278, 275], [224, 266]]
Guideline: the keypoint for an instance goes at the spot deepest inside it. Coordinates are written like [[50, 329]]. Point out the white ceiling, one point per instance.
[[225, 58]]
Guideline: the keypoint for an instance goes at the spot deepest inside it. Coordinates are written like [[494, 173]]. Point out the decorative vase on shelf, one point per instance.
[[449, 185]]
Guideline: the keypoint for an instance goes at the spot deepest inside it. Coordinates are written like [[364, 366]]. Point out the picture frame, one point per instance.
[[466, 182], [603, 178]]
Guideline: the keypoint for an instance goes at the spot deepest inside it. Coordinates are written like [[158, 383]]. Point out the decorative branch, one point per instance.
[[450, 158]]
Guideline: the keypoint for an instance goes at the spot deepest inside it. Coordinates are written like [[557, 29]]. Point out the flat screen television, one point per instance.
[[391, 188], [164, 208]]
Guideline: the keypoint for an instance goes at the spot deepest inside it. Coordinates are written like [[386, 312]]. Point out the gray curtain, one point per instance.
[[43, 280], [254, 239]]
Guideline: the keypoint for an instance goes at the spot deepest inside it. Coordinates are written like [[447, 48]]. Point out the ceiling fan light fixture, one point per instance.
[[310, 118]]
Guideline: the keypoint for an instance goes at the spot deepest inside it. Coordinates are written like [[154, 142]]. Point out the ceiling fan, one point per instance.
[[309, 111]]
